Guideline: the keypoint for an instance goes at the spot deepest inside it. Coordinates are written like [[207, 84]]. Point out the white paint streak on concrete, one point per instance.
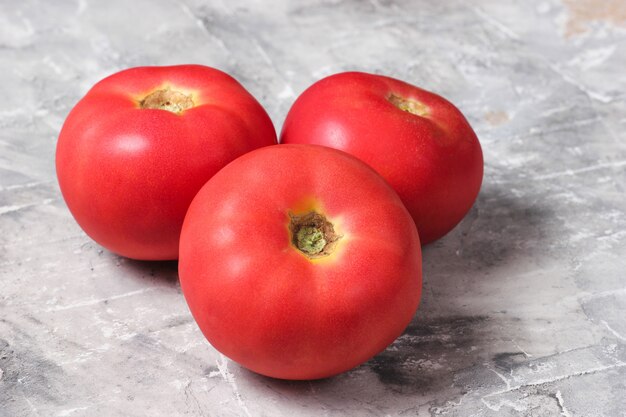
[[18, 207], [502, 377], [201, 24], [528, 355], [586, 296], [189, 13], [501, 403], [615, 237], [70, 411], [559, 127], [573, 172], [24, 186], [558, 378], [222, 366], [559, 399], [263, 53], [489, 405], [496, 24], [86, 303], [591, 58], [603, 98], [555, 110], [615, 333]]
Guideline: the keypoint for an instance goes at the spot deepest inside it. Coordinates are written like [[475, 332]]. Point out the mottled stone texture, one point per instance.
[[524, 303]]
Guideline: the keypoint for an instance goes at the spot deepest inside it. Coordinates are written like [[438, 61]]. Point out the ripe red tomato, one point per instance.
[[299, 262], [418, 141], [136, 149]]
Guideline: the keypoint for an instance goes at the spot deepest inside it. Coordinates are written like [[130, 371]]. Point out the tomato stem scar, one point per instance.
[[170, 100], [313, 235], [408, 105]]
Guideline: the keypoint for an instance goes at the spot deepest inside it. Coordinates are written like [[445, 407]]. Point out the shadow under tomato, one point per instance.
[[454, 329], [153, 271]]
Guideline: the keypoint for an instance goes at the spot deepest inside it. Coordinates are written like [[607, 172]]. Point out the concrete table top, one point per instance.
[[524, 303]]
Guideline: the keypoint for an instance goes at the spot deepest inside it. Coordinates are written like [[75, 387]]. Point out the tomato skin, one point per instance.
[[262, 302], [128, 174], [434, 162]]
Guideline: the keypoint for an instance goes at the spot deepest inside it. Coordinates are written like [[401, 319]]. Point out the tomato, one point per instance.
[[418, 141], [136, 149], [299, 262]]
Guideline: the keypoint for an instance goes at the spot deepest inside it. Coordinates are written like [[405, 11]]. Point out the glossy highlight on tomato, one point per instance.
[[136, 149], [299, 262]]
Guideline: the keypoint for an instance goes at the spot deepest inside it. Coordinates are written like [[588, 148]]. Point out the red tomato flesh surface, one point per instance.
[[136, 149], [418, 141], [261, 300], [265, 303]]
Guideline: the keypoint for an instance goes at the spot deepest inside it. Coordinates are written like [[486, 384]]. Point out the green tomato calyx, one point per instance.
[[313, 235], [310, 240]]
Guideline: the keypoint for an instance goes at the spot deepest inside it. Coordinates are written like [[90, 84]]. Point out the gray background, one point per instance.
[[524, 303]]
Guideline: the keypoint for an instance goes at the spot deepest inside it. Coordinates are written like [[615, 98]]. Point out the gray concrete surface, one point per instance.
[[524, 303]]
